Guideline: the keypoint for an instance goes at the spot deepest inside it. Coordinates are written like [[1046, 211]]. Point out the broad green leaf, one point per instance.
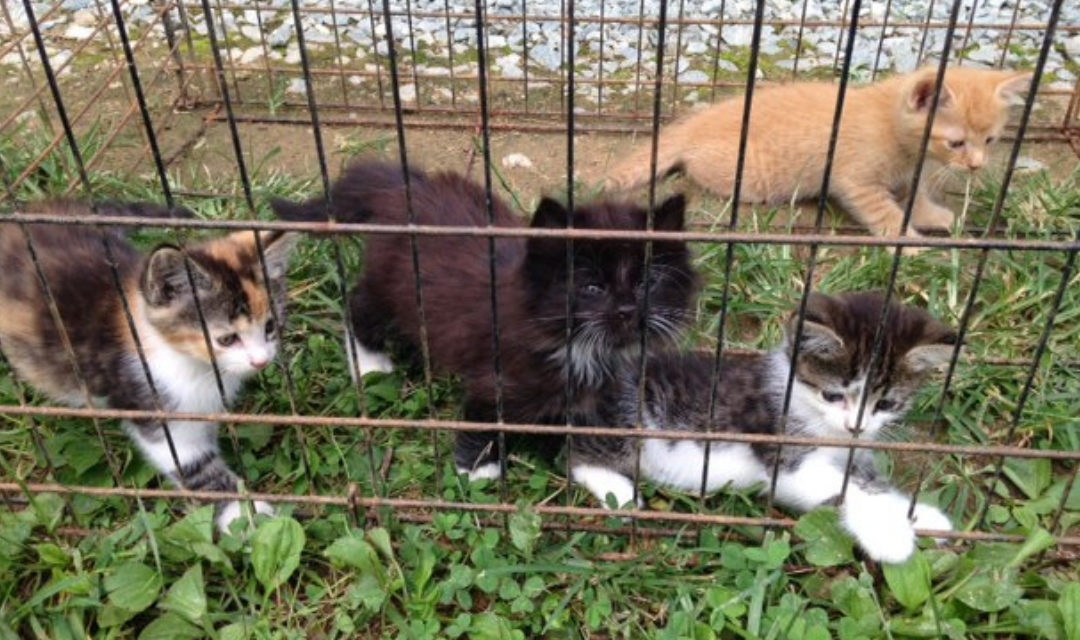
[[275, 550], [170, 627], [910, 581], [1072, 503], [381, 539], [1039, 540], [1040, 618], [524, 530], [187, 596], [490, 626], [52, 555], [1069, 604], [350, 551], [114, 616], [193, 537], [990, 591], [827, 544], [1030, 475], [368, 592], [133, 586]]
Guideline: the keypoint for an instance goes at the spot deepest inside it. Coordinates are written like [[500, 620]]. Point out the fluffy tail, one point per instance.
[[353, 196], [633, 171]]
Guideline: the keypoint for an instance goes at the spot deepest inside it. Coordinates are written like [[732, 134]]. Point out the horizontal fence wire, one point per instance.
[[218, 88]]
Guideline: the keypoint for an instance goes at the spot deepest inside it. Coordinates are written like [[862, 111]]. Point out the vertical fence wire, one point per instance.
[[729, 251], [808, 279], [489, 206], [995, 214], [425, 349], [878, 345]]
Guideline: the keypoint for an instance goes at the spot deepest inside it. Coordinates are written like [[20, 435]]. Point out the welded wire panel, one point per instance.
[[191, 102]]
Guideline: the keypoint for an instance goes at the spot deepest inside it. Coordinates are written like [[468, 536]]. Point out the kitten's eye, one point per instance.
[[592, 289], [270, 327], [990, 139], [228, 340], [829, 396], [956, 144], [885, 405]]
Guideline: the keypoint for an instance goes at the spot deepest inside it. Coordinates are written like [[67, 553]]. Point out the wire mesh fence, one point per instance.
[[190, 97]]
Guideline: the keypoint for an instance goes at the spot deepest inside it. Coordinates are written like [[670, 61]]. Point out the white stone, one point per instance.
[[78, 32], [297, 86], [407, 92], [1027, 164], [292, 55], [516, 160], [251, 32], [250, 55], [694, 76], [85, 18]]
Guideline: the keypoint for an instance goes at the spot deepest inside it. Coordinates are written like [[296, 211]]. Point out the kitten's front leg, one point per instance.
[[201, 468], [874, 513], [876, 208], [927, 214], [476, 453], [601, 481]]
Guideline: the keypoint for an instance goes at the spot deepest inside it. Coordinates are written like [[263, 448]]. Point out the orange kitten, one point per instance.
[[876, 152]]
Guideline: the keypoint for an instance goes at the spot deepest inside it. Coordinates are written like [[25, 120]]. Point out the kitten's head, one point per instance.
[[973, 108], [834, 359], [232, 295], [609, 277]]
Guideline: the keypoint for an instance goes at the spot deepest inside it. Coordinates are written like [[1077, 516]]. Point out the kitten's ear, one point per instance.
[[550, 214], [1015, 86], [277, 246], [921, 94], [165, 277], [934, 352], [671, 214], [818, 338]]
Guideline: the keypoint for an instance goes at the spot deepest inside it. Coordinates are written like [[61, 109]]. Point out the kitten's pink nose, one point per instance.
[[259, 363]]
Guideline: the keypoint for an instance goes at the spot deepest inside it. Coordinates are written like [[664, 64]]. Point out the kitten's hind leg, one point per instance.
[[365, 343], [201, 467]]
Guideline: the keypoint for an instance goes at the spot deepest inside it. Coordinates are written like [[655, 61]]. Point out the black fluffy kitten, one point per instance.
[[609, 287], [831, 372]]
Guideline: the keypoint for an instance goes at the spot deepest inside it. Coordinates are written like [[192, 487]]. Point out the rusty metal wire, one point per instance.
[[215, 88]]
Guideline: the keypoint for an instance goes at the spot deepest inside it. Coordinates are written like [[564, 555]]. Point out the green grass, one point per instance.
[[114, 568]]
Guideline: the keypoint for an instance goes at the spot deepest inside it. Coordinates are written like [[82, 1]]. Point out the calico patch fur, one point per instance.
[[106, 370]]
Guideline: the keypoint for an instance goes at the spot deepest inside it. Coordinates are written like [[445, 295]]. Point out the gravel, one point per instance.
[[77, 21]]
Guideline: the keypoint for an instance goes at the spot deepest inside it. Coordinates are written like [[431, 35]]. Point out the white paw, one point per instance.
[[931, 518], [365, 361], [880, 525], [489, 471], [235, 511], [601, 482]]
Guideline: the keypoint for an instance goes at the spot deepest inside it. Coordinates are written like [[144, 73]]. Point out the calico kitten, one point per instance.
[[878, 145], [234, 302], [831, 372], [531, 293]]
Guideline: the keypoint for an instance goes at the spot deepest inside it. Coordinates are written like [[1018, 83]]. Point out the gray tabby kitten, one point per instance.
[[234, 302], [831, 372]]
